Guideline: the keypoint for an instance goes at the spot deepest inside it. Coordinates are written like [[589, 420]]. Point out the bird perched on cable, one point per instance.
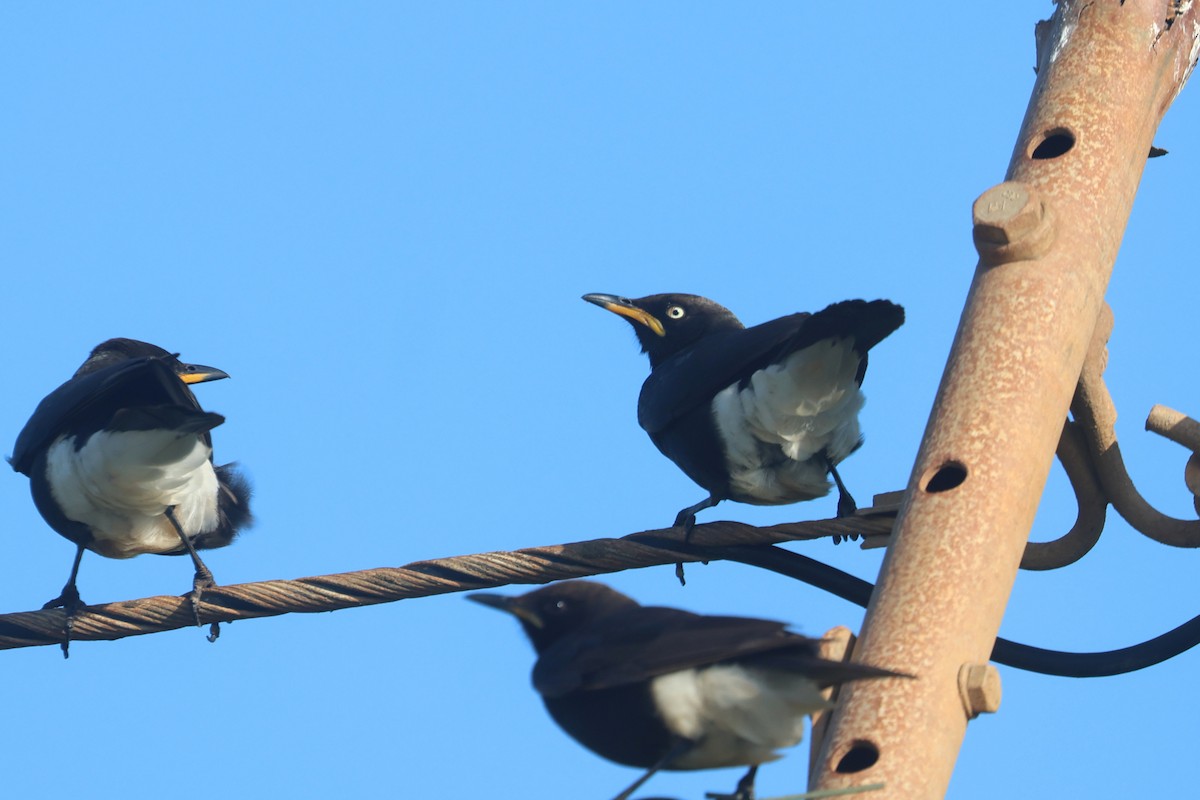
[[665, 689], [759, 415], [120, 462]]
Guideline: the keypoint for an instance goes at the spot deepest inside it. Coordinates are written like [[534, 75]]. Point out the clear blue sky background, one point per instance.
[[379, 218]]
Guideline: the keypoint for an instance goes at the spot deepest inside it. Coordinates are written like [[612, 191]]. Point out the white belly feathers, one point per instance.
[[736, 715], [121, 483], [774, 429]]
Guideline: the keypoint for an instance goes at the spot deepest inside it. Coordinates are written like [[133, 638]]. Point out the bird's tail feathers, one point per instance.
[[823, 671], [233, 509], [234, 497], [868, 322]]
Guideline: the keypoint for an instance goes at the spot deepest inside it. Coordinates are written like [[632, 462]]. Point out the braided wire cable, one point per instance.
[[418, 579]]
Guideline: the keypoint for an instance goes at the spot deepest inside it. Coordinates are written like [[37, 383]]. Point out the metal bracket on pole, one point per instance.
[[1047, 239]]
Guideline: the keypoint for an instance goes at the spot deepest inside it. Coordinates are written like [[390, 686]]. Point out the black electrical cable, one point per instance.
[[1011, 654]]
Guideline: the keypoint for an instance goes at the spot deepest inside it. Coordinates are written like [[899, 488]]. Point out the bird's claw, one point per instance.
[[71, 603], [203, 580], [686, 520]]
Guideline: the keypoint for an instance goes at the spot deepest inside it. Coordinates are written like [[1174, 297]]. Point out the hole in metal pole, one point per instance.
[[946, 477], [861, 755], [1055, 142]]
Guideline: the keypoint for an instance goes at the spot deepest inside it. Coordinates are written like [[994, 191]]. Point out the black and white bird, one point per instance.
[[665, 689], [759, 415], [120, 462]]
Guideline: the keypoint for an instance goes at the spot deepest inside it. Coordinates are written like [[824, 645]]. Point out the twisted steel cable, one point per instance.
[[418, 579]]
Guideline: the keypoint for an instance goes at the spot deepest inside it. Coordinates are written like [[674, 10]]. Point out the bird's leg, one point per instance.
[[69, 599], [679, 747], [744, 790], [203, 578], [686, 519], [70, 602], [846, 505]]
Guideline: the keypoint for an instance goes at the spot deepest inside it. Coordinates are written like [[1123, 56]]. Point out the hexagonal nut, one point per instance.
[[979, 688], [1011, 223]]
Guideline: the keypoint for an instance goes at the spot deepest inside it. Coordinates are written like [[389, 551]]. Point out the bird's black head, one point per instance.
[[115, 351], [554, 611], [665, 324]]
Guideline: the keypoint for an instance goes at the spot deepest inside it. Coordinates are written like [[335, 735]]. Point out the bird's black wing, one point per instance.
[[822, 671], [642, 643], [693, 376], [696, 374], [87, 402]]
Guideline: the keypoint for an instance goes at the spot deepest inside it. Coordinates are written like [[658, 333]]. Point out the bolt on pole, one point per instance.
[[1047, 239]]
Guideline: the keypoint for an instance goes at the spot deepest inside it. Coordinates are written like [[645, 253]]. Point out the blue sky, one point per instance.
[[379, 218]]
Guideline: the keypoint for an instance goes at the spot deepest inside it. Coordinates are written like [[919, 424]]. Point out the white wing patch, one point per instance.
[[774, 429], [737, 715], [120, 484]]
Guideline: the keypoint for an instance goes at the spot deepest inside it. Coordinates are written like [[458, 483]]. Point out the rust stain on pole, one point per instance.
[[1047, 238]]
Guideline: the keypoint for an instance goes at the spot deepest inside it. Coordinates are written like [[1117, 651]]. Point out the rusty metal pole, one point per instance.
[[1047, 239]]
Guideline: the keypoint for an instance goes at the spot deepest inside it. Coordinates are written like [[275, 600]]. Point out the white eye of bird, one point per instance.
[[675, 312]]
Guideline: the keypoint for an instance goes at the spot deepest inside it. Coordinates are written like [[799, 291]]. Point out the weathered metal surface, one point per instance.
[[1107, 72], [1096, 417]]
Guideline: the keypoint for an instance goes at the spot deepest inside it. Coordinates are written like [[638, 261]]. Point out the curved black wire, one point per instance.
[[1012, 654]]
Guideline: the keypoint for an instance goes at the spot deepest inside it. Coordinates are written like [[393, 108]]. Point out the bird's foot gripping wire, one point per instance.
[[743, 791], [846, 507], [686, 519], [202, 580], [70, 602]]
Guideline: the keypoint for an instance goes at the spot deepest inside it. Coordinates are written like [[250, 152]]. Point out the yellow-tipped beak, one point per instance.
[[619, 305], [195, 373]]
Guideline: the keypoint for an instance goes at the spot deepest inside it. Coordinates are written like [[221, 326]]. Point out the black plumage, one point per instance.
[[120, 461], [759, 415], [660, 688]]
